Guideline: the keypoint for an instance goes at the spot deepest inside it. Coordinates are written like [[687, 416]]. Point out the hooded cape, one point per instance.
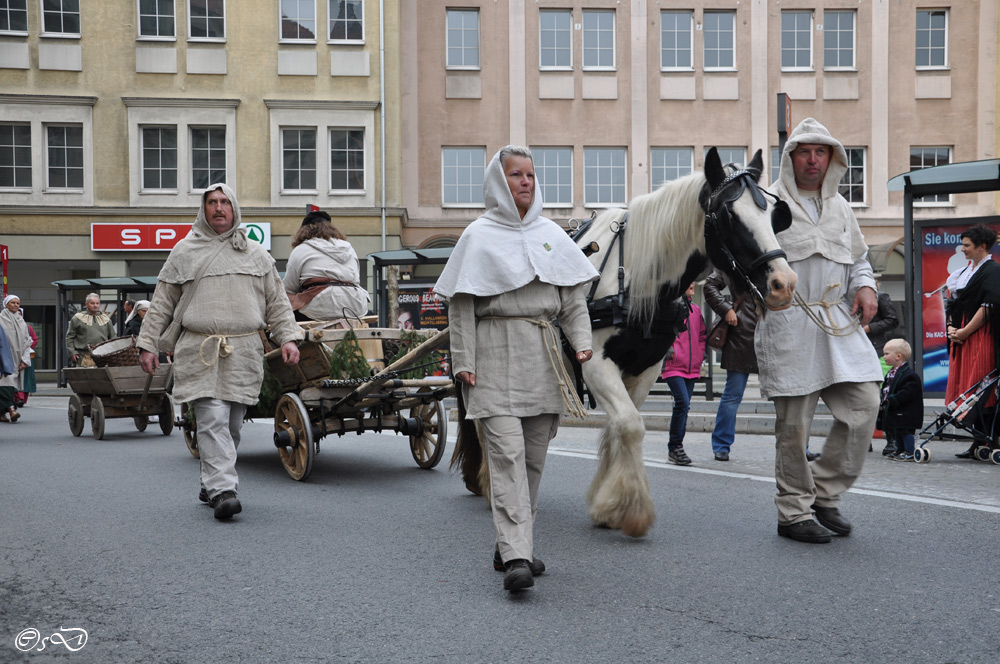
[[500, 252]]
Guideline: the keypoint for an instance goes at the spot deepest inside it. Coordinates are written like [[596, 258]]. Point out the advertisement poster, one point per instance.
[[420, 308], [941, 254]]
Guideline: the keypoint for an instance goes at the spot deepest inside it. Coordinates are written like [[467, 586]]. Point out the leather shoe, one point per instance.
[[203, 495], [967, 454], [812, 456], [679, 457], [536, 565], [226, 504], [832, 519], [805, 531], [722, 456], [517, 576]]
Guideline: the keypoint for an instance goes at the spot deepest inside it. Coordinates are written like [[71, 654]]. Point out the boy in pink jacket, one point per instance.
[[680, 369]]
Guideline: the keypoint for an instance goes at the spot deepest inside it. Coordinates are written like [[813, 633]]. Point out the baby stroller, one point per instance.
[[968, 412]]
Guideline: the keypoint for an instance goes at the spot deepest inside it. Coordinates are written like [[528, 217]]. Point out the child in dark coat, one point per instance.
[[901, 412]]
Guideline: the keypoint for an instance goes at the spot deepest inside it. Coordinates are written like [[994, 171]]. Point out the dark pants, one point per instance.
[[681, 390], [902, 439]]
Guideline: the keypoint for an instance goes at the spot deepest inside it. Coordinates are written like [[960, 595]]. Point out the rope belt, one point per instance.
[[831, 328], [569, 396], [222, 349]]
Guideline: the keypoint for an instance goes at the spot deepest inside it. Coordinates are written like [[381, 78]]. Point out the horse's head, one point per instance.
[[741, 220]]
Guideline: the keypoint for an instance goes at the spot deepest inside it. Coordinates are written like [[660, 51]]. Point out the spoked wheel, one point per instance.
[[983, 453], [920, 455], [141, 422], [293, 436], [166, 415], [190, 428], [75, 415], [97, 417], [428, 447]]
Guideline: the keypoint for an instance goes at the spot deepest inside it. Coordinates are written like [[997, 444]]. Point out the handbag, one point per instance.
[[719, 331], [168, 338]]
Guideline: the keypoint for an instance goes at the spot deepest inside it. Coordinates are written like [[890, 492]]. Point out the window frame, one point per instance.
[[690, 47], [731, 13], [329, 147], [282, 39], [142, 160], [937, 201], [853, 13], [774, 163], [930, 49], [207, 39], [62, 13], [191, 129], [614, 39], [329, 24], [315, 169], [555, 49], [473, 188], [48, 186], [727, 149], [479, 40], [654, 166], [539, 154], [613, 151], [157, 37], [796, 32], [14, 166], [8, 12], [864, 176]]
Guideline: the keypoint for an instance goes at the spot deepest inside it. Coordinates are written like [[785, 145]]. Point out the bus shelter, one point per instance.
[[417, 265]]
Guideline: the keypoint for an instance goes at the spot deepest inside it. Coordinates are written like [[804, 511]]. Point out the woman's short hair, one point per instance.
[[321, 229], [508, 151], [899, 346], [981, 234]]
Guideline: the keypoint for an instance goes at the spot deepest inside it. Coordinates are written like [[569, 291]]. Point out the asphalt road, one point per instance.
[[376, 560]]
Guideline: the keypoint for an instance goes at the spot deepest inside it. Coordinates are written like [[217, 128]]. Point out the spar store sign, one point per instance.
[[159, 237]]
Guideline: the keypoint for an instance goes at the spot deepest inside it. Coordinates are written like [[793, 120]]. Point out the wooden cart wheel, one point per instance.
[[75, 415], [428, 447], [97, 417], [141, 422], [166, 415], [190, 428], [293, 436]]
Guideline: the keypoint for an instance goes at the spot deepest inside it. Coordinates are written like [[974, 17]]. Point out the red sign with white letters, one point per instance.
[[136, 237]]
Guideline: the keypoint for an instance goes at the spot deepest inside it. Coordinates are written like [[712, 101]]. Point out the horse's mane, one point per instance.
[[664, 228]]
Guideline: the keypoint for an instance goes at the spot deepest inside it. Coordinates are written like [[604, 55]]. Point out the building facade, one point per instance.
[[116, 115]]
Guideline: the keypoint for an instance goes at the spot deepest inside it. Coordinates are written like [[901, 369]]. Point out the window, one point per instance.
[[156, 18], [796, 40], [666, 164], [347, 159], [735, 156], [838, 39], [462, 171], [555, 39], [159, 158], [347, 20], [925, 157], [208, 19], [64, 147], [463, 38], [15, 156], [720, 40], [61, 17], [298, 20], [604, 176], [775, 164], [598, 39], [932, 38], [554, 172], [675, 39], [14, 16], [208, 156], [298, 159], [852, 185]]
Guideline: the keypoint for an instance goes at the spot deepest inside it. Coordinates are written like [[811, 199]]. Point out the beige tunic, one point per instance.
[[514, 375], [20, 346]]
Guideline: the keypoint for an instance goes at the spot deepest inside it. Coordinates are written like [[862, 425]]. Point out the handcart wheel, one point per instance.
[[97, 417], [428, 447], [983, 453], [166, 415], [920, 455], [75, 415], [293, 436], [190, 428], [141, 422], [995, 457]]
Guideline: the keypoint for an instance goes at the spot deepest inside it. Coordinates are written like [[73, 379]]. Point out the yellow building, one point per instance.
[[116, 115]]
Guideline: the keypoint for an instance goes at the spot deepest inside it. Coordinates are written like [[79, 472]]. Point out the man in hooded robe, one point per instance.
[[88, 327], [219, 358], [16, 332]]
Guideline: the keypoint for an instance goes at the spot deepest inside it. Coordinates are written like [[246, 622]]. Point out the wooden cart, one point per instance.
[[313, 406], [103, 393]]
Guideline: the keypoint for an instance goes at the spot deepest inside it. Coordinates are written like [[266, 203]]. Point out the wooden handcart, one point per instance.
[[103, 393], [313, 405]]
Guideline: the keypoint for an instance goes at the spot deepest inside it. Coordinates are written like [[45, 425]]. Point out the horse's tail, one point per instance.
[[468, 454]]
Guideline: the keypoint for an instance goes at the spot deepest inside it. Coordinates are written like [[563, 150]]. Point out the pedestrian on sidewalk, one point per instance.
[[901, 411], [680, 370]]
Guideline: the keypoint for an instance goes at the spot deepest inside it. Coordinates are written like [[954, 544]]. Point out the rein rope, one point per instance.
[[831, 328]]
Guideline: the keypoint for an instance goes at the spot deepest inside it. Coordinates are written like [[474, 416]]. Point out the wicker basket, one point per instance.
[[117, 352]]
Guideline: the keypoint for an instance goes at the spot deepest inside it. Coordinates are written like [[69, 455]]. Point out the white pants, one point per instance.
[[515, 451], [218, 429]]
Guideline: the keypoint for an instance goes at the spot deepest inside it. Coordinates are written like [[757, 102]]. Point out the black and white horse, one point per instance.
[[647, 256]]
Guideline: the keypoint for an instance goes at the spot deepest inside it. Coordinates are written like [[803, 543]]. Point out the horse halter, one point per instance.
[[718, 223]]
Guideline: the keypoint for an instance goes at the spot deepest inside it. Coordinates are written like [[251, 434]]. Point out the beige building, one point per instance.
[[615, 97], [115, 116]]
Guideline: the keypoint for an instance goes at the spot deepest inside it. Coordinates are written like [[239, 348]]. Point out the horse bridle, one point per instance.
[[719, 214]]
